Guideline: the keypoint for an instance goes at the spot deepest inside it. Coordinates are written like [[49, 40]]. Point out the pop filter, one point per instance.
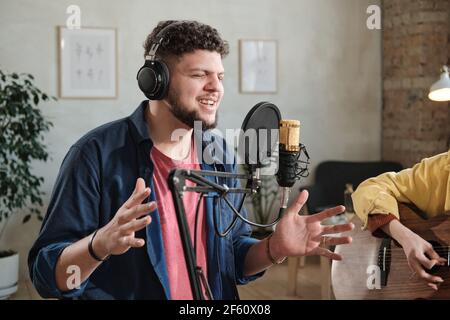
[[259, 135]]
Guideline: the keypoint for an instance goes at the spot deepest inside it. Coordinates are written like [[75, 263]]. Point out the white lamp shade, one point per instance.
[[440, 91]]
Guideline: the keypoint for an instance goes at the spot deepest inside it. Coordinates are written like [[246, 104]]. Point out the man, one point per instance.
[[427, 186], [127, 249]]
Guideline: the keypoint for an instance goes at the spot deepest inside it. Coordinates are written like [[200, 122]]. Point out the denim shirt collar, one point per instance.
[[139, 132]]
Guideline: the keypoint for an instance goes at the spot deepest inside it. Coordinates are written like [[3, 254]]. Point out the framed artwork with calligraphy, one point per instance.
[[258, 66], [87, 63]]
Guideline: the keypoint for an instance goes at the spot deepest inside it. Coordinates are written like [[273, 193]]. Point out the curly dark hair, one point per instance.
[[186, 37]]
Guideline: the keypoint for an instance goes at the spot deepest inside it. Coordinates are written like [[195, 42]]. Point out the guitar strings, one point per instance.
[[388, 256], [434, 248], [401, 258]]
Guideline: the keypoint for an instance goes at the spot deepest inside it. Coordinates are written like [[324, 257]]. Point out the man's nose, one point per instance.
[[214, 84]]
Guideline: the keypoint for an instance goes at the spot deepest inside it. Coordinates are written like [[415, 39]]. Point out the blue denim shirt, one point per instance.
[[96, 177]]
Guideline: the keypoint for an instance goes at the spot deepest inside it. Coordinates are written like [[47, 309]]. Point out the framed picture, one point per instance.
[[258, 66], [87, 63]]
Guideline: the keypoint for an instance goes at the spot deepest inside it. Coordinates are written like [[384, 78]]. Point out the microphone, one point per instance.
[[291, 167], [257, 149], [289, 147]]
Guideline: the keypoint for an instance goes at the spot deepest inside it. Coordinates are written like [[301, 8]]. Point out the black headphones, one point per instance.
[[153, 77]]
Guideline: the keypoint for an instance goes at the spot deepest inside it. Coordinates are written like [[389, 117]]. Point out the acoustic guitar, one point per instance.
[[376, 268]]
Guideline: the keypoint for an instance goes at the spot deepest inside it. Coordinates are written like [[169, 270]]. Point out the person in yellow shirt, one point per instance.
[[427, 186]]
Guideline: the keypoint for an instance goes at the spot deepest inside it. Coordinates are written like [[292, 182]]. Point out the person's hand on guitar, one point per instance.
[[419, 252], [297, 235]]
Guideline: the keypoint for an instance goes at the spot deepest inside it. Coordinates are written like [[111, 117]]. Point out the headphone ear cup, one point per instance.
[[153, 79], [163, 80], [147, 79]]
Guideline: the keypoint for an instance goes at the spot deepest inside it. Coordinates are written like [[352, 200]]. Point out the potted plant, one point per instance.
[[21, 142]]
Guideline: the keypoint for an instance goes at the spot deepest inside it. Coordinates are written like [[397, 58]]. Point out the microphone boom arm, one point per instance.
[[177, 185]]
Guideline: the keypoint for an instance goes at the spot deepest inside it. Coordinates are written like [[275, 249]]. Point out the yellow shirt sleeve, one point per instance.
[[426, 185]]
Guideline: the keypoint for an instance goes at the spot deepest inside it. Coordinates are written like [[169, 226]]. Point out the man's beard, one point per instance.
[[188, 117]]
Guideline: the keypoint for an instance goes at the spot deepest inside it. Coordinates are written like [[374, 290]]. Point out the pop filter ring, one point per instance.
[[266, 116]]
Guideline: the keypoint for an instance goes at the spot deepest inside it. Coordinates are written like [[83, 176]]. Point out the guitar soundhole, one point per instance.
[[442, 251]]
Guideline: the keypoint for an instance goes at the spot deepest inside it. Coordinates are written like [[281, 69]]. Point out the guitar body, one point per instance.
[[370, 269]]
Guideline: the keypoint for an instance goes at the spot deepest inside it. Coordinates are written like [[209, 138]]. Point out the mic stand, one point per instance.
[[177, 185]]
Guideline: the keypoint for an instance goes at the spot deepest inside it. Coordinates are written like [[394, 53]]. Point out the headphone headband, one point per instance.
[[159, 39]]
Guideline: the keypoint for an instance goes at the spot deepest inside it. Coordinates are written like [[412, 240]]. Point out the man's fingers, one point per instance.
[[338, 228], [131, 241], [137, 212], [140, 185], [325, 214], [326, 253], [299, 202], [135, 225], [135, 242], [136, 198], [334, 241]]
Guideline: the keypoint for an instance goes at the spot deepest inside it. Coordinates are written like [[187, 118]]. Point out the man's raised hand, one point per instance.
[[118, 236], [297, 235]]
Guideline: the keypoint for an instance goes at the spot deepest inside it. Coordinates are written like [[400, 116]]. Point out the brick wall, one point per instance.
[[416, 43]]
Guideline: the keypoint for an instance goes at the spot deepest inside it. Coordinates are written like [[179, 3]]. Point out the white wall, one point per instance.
[[329, 70]]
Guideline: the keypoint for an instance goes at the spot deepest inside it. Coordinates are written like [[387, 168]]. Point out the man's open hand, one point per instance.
[[297, 235], [118, 236]]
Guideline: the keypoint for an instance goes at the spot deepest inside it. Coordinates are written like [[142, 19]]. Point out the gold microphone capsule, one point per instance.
[[290, 135]]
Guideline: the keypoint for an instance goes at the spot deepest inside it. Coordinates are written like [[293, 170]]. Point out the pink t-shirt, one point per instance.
[[180, 288]]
